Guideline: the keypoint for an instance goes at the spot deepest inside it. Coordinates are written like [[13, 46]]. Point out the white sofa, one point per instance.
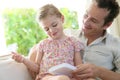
[[11, 70]]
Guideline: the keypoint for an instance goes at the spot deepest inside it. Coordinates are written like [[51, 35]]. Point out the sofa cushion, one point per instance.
[[11, 70]]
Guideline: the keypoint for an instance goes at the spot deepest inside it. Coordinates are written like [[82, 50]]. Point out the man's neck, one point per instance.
[[92, 38]]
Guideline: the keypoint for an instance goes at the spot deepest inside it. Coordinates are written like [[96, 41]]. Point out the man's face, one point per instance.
[[93, 20]]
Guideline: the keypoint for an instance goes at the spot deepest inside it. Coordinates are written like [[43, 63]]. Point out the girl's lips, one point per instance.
[[54, 33]]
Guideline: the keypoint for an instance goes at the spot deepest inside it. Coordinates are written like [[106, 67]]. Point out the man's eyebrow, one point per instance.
[[93, 18], [86, 11]]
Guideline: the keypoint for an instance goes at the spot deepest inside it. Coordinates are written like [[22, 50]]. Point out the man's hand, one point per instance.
[[85, 71]]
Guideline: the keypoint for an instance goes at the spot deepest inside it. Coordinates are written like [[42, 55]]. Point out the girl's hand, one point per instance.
[[38, 77], [17, 57]]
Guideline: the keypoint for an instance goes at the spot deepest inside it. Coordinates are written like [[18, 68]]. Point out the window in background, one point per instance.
[[2, 38], [21, 8]]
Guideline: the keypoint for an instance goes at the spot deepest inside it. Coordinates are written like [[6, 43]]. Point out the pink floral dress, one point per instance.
[[58, 51]]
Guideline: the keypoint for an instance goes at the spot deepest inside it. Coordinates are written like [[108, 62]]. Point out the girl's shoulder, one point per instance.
[[76, 42], [44, 41], [73, 39]]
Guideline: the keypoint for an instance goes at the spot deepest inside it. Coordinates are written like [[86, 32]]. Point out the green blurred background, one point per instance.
[[22, 28]]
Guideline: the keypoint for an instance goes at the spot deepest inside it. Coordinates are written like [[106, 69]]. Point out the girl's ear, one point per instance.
[[62, 18], [107, 25]]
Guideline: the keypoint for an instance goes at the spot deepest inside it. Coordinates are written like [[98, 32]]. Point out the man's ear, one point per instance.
[[107, 25]]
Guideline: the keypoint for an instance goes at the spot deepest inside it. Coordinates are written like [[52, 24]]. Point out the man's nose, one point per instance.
[[87, 21]]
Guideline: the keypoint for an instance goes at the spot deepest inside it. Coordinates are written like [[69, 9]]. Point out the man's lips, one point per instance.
[[86, 27]]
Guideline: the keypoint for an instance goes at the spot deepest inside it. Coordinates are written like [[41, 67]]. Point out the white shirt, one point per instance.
[[104, 51]]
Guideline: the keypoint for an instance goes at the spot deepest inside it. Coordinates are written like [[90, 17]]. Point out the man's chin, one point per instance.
[[84, 30]]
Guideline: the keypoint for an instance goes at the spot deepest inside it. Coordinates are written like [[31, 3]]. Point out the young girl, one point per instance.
[[56, 49]]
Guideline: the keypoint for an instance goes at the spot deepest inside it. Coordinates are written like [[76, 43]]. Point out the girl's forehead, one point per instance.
[[49, 20]]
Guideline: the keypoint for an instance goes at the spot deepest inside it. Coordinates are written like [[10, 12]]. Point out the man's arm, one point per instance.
[[106, 74]]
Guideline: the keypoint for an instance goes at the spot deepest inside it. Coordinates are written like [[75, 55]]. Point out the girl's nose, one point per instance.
[[51, 29]]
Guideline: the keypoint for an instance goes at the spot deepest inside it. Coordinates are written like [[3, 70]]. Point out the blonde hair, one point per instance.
[[48, 10]]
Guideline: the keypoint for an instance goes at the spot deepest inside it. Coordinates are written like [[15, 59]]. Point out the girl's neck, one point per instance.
[[63, 37]]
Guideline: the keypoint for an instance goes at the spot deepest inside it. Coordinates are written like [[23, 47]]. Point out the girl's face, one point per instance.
[[53, 26]]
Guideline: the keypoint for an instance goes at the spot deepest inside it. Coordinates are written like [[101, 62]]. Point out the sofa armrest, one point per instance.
[[11, 70]]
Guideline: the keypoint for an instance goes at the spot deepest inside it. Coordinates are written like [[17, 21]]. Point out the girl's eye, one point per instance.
[[54, 25], [46, 29]]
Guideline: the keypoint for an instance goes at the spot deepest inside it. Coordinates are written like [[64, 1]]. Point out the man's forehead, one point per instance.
[[96, 11]]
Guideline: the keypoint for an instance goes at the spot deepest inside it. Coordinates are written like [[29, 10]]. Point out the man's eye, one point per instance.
[[85, 16], [93, 20]]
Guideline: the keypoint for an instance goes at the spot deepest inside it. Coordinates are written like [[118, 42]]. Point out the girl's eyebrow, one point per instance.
[[53, 22]]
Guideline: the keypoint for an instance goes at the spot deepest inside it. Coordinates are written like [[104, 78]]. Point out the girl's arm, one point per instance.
[[37, 57], [33, 57], [31, 65], [77, 58]]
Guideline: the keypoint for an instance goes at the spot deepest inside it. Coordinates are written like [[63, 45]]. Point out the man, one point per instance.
[[102, 50]]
